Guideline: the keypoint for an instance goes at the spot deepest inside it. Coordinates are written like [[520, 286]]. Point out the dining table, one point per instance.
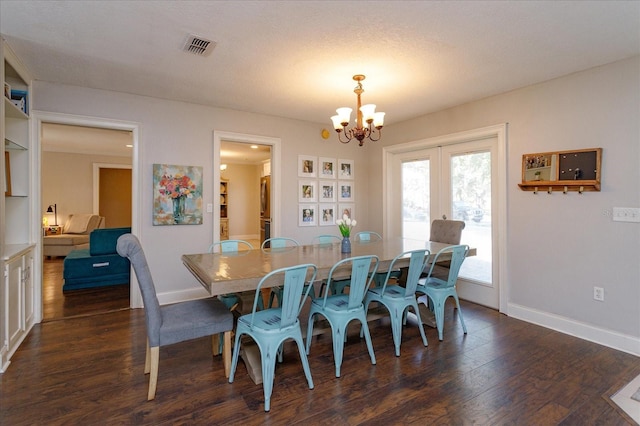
[[241, 271], [234, 272]]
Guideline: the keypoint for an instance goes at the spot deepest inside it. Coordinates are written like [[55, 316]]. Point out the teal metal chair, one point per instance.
[[279, 243], [399, 299], [275, 244], [438, 290], [366, 236], [231, 301], [270, 328], [324, 240], [379, 279], [341, 309]]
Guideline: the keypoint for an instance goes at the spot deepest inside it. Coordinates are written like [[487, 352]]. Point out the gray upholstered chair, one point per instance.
[[174, 323], [448, 232]]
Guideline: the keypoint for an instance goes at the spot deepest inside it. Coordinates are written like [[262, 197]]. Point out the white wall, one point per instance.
[[561, 246], [181, 133], [71, 188]]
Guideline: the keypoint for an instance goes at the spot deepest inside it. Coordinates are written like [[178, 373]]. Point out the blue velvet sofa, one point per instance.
[[99, 265]]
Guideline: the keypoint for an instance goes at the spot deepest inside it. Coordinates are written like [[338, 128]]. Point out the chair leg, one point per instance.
[[226, 353], [420, 326], [216, 344], [312, 318], [234, 358], [396, 328], [305, 361], [338, 344], [268, 359], [154, 358], [464, 327], [147, 360], [367, 338], [438, 309]]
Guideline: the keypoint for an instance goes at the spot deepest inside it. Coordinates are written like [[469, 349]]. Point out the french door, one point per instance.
[[452, 181]]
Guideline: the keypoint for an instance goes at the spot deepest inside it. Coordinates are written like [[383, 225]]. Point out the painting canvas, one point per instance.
[[177, 195]]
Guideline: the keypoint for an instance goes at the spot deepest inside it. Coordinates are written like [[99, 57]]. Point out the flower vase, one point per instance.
[[346, 245], [178, 209]]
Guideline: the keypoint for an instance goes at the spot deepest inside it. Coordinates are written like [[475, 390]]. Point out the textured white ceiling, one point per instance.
[[296, 58]]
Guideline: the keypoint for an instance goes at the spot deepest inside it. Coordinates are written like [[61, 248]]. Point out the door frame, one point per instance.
[[275, 144], [40, 117], [391, 181]]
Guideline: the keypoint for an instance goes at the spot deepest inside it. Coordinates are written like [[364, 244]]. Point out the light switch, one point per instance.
[[626, 214], [209, 208]]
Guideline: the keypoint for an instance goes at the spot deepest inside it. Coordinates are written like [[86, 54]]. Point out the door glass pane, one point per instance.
[[471, 202], [415, 199]]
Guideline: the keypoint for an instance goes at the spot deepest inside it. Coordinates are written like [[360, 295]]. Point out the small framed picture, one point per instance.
[[327, 214], [327, 191], [307, 191], [346, 209], [345, 169], [327, 168], [345, 191], [307, 166], [307, 214]]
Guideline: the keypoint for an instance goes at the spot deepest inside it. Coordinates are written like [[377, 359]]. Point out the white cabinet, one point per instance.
[[19, 221], [17, 300]]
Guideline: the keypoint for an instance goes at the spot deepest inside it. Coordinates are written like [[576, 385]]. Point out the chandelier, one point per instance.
[[368, 122]]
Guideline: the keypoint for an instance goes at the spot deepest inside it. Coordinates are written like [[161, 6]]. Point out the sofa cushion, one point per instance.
[[65, 240], [82, 223], [103, 241]]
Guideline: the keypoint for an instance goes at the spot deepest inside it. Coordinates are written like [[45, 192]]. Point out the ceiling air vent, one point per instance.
[[199, 46]]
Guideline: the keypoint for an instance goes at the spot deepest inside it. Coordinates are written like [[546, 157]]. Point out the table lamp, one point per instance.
[[53, 208]]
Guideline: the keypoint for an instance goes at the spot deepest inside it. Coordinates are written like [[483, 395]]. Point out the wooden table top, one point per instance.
[[222, 273]]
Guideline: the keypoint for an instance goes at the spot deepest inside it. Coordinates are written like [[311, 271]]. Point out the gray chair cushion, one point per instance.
[[180, 321]]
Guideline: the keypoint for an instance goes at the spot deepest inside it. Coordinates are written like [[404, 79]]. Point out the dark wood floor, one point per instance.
[[89, 370], [57, 304]]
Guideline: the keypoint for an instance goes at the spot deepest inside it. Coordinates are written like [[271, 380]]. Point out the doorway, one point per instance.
[[273, 145], [41, 120], [457, 177]]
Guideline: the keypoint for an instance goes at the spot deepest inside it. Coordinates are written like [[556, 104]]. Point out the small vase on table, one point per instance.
[[346, 245]]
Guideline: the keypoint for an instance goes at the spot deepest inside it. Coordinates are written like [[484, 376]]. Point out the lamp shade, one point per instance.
[[378, 119], [368, 111], [345, 114]]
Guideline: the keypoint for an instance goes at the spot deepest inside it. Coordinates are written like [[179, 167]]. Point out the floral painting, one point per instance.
[[177, 195]]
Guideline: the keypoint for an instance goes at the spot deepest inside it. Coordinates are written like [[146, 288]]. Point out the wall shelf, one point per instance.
[[562, 171]]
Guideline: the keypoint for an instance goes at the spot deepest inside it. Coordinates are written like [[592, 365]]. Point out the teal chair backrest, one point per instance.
[[228, 246], [326, 239], [362, 273], [368, 236], [295, 278], [458, 255], [418, 260], [279, 242]]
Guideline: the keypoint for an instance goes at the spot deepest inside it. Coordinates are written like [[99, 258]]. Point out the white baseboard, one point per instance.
[[182, 295], [612, 339]]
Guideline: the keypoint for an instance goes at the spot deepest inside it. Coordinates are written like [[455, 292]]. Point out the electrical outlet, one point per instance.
[[598, 293], [626, 214]]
